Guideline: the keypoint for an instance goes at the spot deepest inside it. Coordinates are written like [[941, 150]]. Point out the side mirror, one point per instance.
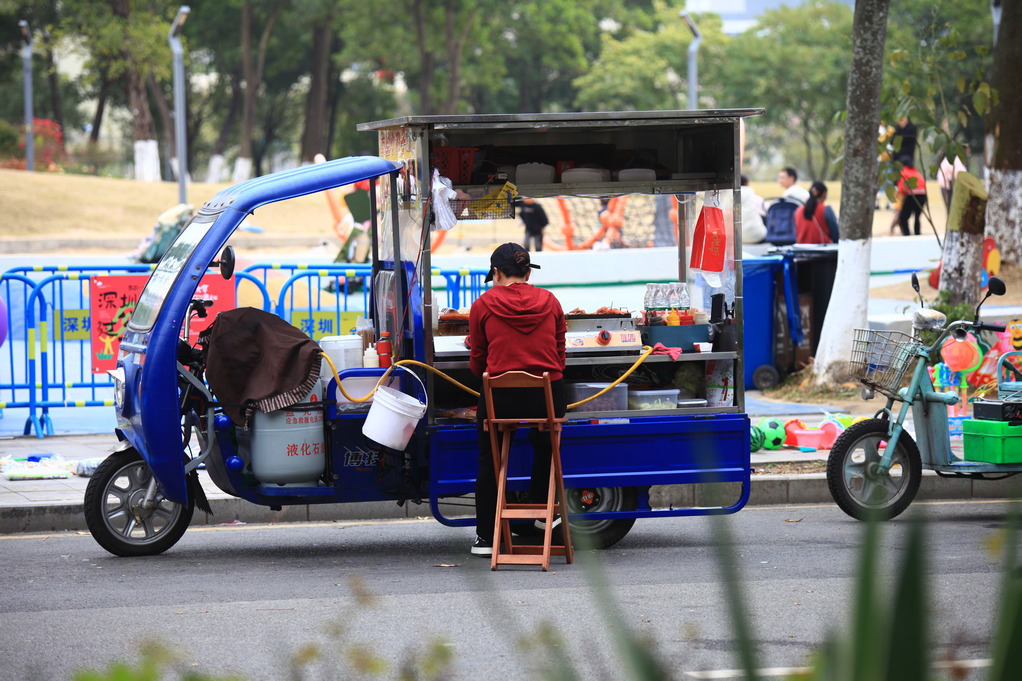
[[995, 287], [915, 286], [226, 262]]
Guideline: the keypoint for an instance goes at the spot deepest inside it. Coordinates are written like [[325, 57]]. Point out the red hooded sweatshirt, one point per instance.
[[517, 328]]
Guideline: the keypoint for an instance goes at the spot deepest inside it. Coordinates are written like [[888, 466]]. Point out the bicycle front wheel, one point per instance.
[[853, 475]]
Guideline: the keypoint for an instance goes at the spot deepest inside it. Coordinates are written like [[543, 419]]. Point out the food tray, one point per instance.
[[615, 399], [653, 399]]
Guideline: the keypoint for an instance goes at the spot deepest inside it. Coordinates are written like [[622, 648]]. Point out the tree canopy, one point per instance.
[[274, 81]]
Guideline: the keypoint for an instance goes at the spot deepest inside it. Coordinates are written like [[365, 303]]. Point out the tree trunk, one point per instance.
[[147, 156], [252, 72], [962, 261], [1004, 138], [55, 101], [163, 109], [426, 61], [455, 49], [858, 182], [217, 162], [314, 136], [243, 165], [97, 117]]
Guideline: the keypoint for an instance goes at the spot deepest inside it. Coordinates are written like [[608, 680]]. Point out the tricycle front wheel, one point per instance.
[[855, 482], [116, 517]]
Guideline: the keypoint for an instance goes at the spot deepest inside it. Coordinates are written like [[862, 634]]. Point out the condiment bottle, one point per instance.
[[383, 349], [672, 318], [370, 360]]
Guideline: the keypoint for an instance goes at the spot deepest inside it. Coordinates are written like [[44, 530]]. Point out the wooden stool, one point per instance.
[[501, 433]]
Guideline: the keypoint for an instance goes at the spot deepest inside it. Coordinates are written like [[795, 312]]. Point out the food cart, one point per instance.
[[671, 440], [622, 459]]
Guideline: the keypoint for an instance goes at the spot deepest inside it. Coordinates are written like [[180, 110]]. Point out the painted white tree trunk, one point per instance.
[[242, 170], [176, 171], [1004, 213], [848, 310], [215, 172], [147, 161]]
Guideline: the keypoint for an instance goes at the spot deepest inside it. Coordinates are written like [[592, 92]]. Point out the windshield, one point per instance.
[[166, 273]]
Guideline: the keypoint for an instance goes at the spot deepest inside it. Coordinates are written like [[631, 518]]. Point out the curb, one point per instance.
[[767, 490]]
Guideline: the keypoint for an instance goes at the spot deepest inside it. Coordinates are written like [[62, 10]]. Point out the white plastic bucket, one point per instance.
[[345, 352], [288, 446], [393, 417]]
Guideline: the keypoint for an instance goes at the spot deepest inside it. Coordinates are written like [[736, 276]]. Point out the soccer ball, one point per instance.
[[756, 439], [773, 432]]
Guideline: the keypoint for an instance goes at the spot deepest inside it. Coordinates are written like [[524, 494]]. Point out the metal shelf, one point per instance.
[[632, 413], [581, 360]]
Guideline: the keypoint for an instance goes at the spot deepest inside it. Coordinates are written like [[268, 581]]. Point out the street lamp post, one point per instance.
[[173, 38], [26, 57], [693, 61]]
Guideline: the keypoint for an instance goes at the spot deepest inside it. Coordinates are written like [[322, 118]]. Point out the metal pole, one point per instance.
[[180, 142], [26, 56], [693, 61]]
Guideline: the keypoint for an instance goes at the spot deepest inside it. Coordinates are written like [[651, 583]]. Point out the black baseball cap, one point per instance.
[[504, 256]]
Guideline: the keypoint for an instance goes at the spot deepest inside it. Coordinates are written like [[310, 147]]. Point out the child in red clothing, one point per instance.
[[514, 326]]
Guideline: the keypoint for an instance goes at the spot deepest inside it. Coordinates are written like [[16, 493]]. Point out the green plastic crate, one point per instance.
[[992, 441]]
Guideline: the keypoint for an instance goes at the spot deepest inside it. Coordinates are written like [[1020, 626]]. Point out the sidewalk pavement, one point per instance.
[[56, 504]]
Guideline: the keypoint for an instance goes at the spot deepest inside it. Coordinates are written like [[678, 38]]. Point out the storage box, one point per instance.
[[615, 399], [676, 336], [653, 399], [997, 410], [992, 441]]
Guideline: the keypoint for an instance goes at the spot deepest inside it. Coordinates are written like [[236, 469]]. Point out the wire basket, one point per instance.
[[880, 358], [499, 203], [480, 209]]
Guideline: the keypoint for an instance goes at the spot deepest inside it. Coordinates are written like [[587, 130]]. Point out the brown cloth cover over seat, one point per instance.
[[258, 361]]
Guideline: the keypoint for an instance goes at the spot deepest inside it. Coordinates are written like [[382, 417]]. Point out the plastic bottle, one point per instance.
[[383, 349], [370, 360], [685, 302], [672, 318]]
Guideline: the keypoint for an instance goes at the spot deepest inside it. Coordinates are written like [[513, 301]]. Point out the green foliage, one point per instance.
[[793, 62], [940, 53], [9, 136]]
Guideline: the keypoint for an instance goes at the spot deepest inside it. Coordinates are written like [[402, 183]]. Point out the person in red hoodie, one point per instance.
[[514, 326], [912, 186]]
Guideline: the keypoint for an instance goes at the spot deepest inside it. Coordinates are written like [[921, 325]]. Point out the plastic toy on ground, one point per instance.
[[773, 432]]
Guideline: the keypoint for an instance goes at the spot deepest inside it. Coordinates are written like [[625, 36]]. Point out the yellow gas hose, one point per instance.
[[647, 351]]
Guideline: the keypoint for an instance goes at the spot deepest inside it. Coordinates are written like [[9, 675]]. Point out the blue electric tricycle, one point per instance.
[[621, 462]]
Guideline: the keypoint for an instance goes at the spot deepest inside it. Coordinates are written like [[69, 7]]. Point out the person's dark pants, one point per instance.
[[514, 403], [911, 207], [535, 239]]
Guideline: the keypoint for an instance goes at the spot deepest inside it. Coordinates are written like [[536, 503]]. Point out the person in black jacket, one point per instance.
[[535, 219]]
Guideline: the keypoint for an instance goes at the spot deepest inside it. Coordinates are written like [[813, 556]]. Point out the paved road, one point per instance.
[[249, 599]]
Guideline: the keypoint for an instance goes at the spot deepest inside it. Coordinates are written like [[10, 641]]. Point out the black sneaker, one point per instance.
[[541, 524], [481, 547]]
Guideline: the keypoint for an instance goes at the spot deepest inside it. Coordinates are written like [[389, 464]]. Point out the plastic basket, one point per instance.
[[880, 358], [454, 163]]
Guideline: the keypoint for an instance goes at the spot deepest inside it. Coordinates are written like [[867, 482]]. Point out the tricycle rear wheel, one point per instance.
[[113, 510], [857, 487], [601, 534]]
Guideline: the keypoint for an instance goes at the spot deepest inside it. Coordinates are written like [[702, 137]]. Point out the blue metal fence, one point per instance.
[[48, 348]]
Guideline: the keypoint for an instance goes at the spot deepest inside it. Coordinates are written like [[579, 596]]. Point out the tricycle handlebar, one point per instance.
[[960, 328]]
